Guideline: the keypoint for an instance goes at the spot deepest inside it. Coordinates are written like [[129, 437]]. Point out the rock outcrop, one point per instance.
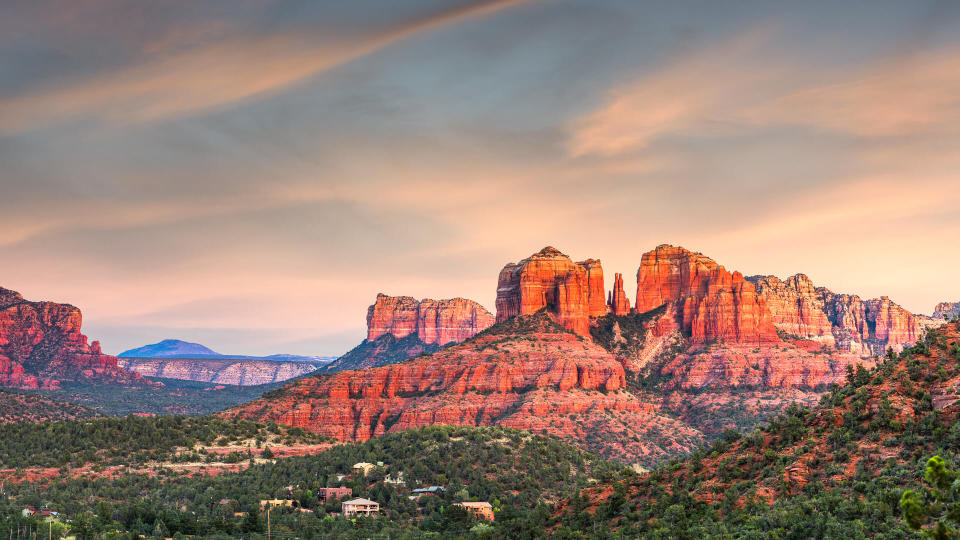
[[402, 327], [41, 345], [433, 321], [525, 373], [946, 311], [712, 303], [550, 280], [842, 321], [617, 299], [239, 372]]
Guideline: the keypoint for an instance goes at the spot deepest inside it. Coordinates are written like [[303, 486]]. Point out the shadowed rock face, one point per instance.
[[573, 292], [41, 345], [946, 310], [525, 373], [220, 371]]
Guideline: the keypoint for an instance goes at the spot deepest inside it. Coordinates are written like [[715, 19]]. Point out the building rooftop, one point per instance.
[[360, 501], [476, 504]]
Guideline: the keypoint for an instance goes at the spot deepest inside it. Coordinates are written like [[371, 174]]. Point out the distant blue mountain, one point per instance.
[[171, 348], [175, 348]]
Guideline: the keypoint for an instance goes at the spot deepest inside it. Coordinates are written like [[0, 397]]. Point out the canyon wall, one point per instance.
[[842, 321], [712, 303]]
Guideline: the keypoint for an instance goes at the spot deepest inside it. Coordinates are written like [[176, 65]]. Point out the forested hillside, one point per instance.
[[837, 470], [518, 473]]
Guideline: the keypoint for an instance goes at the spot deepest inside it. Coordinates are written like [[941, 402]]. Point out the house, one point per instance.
[[274, 503], [28, 511], [360, 507], [339, 492], [479, 510], [431, 491], [363, 468], [395, 480]]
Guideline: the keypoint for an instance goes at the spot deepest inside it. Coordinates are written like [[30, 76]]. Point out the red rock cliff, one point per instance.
[[530, 374], [573, 292], [433, 321], [41, 344], [711, 302], [843, 321]]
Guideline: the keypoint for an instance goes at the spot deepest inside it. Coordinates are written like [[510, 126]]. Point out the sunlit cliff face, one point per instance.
[[250, 174]]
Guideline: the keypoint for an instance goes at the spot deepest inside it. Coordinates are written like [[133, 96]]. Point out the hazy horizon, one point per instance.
[[249, 175]]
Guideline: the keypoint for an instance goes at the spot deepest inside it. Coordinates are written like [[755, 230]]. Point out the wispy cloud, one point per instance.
[[733, 87], [213, 75]]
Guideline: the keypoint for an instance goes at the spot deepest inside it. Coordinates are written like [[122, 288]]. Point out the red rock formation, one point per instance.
[[41, 344], [619, 305], [946, 310], [839, 320], [549, 279], [797, 307], [713, 304], [434, 321], [532, 375]]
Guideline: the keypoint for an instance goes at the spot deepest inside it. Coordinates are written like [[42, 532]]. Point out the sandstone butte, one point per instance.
[[719, 345], [526, 373], [433, 321], [574, 292], [41, 345]]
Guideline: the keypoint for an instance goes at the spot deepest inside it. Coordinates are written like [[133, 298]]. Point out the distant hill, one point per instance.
[[240, 372], [176, 348], [170, 348]]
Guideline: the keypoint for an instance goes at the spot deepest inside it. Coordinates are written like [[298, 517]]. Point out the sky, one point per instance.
[[250, 174]]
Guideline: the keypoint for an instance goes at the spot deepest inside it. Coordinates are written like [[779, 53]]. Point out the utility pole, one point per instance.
[[268, 521]]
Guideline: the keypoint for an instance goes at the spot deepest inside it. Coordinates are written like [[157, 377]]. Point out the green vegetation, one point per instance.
[[132, 440], [174, 397], [939, 502], [839, 470], [518, 473], [26, 407]]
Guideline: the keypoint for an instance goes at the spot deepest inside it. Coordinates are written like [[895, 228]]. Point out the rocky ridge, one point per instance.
[[526, 373], [841, 321], [214, 370]]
